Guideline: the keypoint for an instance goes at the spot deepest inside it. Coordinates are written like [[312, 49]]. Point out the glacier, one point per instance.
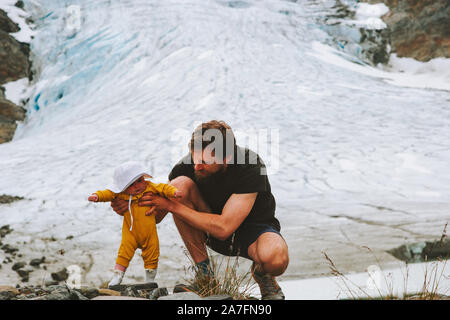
[[362, 154]]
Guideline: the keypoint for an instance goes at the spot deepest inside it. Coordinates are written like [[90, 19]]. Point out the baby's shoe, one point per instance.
[[150, 275], [117, 278]]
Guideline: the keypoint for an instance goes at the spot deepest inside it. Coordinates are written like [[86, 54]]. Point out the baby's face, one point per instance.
[[136, 187]]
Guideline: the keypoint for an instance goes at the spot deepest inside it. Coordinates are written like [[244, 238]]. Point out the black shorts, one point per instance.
[[237, 244]]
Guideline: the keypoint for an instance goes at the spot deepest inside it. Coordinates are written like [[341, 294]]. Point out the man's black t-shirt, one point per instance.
[[237, 178]]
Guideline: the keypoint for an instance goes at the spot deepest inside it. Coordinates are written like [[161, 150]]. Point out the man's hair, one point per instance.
[[217, 135]]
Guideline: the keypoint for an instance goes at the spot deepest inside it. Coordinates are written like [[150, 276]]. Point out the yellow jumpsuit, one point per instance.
[[138, 230]]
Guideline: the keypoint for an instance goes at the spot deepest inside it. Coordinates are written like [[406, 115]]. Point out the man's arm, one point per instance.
[[236, 209]]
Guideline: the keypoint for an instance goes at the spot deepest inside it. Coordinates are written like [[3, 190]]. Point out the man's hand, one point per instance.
[[119, 206], [157, 202]]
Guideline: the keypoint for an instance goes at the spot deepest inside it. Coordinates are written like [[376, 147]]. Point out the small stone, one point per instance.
[[157, 293], [89, 292], [4, 230], [129, 292], [37, 262], [18, 265], [56, 287], [78, 295], [108, 292], [10, 289], [181, 296], [9, 249], [19, 4], [60, 275], [6, 295], [23, 273]]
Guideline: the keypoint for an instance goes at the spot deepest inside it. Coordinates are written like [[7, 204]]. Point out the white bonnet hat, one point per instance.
[[126, 174]]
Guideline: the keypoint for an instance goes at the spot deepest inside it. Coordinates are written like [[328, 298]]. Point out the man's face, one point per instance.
[[206, 165]]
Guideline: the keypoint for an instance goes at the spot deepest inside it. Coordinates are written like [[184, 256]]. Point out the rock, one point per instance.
[[134, 287], [422, 251], [56, 287], [24, 274], [157, 293], [61, 294], [6, 295], [9, 249], [6, 24], [108, 292], [129, 292], [7, 129], [20, 4], [418, 29], [60, 275], [4, 230], [18, 265], [4, 198], [181, 296], [14, 63], [79, 295], [10, 111], [89, 292], [8, 292], [117, 298], [37, 262]]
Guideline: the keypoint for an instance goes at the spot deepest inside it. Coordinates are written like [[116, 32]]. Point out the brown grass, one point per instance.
[[225, 281]]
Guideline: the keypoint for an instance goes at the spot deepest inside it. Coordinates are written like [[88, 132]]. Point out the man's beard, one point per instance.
[[210, 178]]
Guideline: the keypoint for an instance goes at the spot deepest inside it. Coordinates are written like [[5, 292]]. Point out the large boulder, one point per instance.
[[6, 24], [14, 63], [418, 29]]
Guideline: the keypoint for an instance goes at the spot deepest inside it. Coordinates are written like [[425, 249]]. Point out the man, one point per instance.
[[227, 205]]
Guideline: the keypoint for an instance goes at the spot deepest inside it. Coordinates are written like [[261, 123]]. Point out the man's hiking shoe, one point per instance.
[[270, 290]]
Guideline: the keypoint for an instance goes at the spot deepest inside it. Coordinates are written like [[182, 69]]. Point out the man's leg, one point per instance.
[[270, 253], [270, 259], [193, 239]]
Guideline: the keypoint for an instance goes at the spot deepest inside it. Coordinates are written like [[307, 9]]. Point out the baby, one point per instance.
[[139, 229]]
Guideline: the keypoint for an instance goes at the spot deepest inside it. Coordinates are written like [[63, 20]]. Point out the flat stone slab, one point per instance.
[[117, 298], [136, 286]]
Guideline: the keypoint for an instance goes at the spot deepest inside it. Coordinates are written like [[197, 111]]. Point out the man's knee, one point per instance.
[[182, 183], [275, 257]]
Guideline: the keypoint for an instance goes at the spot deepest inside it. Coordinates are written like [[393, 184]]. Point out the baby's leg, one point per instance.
[[127, 249], [120, 267], [150, 255], [126, 252]]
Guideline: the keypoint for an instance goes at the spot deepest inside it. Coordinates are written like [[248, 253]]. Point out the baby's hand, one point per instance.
[[178, 194], [93, 197]]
